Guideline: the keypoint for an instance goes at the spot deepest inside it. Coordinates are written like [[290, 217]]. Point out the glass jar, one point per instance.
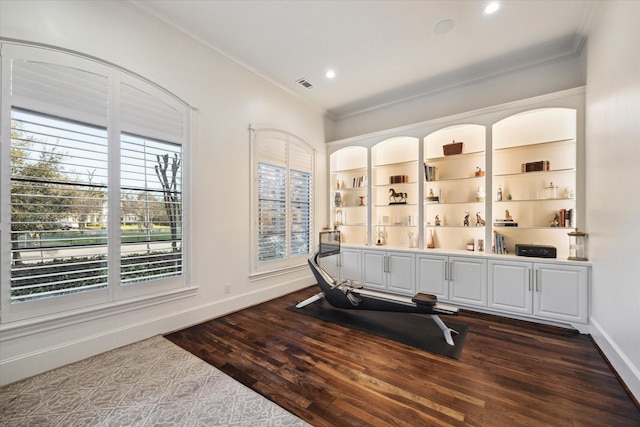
[[551, 191]]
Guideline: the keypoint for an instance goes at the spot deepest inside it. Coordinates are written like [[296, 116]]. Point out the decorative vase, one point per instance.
[[431, 244], [337, 199]]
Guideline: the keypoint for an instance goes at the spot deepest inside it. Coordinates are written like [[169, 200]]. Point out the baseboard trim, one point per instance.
[[45, 359], [619, 362]]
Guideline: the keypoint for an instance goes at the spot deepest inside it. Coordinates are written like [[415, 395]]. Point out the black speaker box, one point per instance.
[[536, 251]]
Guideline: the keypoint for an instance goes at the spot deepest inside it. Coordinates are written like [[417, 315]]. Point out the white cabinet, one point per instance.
[[456, 279], [350, 265], [392, 271], [468, 281], [547, 291], [432, 275], [561, 293], [511, 286], [331, 264], [345, 266]]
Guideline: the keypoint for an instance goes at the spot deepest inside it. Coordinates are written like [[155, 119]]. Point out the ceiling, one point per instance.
[[382, 51]]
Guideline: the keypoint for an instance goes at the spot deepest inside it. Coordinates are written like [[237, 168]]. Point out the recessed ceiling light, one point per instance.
[[444, 26], [492, 7], [330, 74]]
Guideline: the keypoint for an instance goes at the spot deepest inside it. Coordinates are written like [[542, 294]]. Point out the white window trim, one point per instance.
[[140, 295], [290, 264]]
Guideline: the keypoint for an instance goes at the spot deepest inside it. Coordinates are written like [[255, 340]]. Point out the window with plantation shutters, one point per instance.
[[282, 200], [151, 209], [58, 211], [91, 184]]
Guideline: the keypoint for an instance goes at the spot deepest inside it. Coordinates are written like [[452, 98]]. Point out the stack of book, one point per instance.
[[430, 173], [565, 217], [360, 181], [498, 243], [505, 223]]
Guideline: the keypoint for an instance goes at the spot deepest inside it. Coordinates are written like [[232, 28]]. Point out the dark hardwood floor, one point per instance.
[[510, 373]]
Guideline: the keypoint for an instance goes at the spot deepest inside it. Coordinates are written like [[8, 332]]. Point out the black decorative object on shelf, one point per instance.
[[397, 198]]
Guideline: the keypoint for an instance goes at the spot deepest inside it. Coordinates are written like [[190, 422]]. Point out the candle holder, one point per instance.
[[577, 246]]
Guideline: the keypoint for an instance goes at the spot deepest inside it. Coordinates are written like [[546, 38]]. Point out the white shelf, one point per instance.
[[521, 136]]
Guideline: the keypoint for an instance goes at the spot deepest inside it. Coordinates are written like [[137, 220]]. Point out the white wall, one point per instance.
[[548, 78], [613, 180], [229, 99]]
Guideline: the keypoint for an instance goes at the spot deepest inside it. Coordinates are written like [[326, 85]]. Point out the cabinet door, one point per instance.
[[432, 279], [401, 273], [468, 281], [561, 292], [373, 270], [350, 269], [510, 286], [331, 265]]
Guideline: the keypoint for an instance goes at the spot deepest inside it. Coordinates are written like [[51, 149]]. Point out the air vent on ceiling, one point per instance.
[[305, 83]]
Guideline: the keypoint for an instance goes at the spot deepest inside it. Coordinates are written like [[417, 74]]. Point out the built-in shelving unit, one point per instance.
[[395, 195], [542, 203], [349, 174], [454, 187], [533, 151], [400, 190]]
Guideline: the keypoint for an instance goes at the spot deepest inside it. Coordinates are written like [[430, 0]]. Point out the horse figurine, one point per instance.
[[395, 196], [479, 221], [466, 219]]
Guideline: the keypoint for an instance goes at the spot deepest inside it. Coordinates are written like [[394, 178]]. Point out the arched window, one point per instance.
[[282, 220], [93, 175]]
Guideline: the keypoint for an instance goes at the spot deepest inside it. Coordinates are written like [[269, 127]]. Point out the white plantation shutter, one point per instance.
[[58, 84], [301, 168], [86, 218], [272, 197], [283, 178], [147, 111]]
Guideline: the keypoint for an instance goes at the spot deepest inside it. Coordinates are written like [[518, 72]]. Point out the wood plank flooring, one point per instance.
[[511, 373]]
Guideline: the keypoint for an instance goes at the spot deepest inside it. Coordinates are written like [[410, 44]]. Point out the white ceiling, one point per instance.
[[381, 51]]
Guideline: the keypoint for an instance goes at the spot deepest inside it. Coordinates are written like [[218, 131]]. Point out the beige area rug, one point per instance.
[[150, 383]]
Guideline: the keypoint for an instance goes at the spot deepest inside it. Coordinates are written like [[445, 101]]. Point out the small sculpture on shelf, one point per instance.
[[437, 221], [479, 171], [398, 198], [507, 215], [555, 222], [362, 202], [466, 219], [379, 237], [479, 221]]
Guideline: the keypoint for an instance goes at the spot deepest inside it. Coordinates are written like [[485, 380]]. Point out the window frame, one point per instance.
[[115, 294], [262, 269]]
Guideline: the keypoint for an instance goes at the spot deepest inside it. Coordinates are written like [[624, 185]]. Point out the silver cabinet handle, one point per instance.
[[451, 270], [446, 270], [530, 279]]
